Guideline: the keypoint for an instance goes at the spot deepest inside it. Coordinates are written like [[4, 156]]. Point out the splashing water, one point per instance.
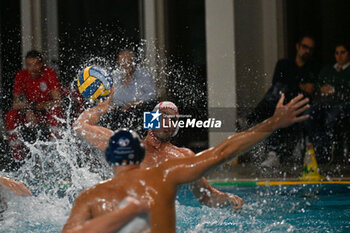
[[61, 168], [58, 169]]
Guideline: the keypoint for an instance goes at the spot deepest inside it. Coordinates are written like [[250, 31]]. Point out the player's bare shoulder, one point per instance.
[[186, 152], [93, 192]]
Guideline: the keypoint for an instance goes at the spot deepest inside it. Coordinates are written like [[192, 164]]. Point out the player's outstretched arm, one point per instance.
[[86, 127], [185, 170], [14, 186], [80, 220]]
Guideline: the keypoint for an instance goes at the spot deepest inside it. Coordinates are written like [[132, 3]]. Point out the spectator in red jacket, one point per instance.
[[36, 101]]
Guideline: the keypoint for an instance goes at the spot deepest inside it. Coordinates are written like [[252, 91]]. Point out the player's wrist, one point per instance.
[[273, 123]]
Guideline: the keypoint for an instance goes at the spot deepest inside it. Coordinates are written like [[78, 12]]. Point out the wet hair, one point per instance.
[[305, 35], [343, 44], [129, 49], [126, 50], [34, 54]]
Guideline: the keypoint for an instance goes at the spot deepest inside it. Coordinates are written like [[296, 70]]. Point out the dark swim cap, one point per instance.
[[125, 148]]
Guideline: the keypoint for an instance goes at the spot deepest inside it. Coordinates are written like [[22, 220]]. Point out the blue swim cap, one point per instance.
[[125, 148]]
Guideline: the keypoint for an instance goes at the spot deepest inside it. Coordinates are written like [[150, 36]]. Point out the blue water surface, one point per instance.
[[299, 208]]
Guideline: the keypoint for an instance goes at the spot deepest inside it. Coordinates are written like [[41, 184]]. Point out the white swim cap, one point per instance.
[[168, 105]]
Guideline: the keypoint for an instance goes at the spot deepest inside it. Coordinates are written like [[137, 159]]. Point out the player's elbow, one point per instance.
[[235, 145], [230, 152]]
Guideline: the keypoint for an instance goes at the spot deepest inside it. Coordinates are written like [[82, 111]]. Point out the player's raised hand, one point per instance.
[[288, 114], [103, 106]]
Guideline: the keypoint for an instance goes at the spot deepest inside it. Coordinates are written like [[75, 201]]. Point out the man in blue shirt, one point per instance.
[[134, 92], [133, 84]]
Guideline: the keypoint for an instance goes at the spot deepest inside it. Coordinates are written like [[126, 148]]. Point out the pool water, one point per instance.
[[299, 208]]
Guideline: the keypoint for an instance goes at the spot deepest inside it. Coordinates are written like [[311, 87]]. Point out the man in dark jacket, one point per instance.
[[291, 76]]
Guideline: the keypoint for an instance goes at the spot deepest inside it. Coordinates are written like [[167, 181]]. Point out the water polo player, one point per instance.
[[130, 214], [157, 185], [158, 144]]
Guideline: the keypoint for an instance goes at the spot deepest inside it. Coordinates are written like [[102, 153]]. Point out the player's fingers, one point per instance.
[[300, 110], [301, 103], [15, 190], [301, 118], [236, 201], [281, 100], [21, 189], [296, 99], [25, 191]]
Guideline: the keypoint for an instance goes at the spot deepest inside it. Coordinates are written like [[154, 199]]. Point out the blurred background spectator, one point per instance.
[[291, 77], [330, 116], [36, 104], [133, 84], [134, 92]]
